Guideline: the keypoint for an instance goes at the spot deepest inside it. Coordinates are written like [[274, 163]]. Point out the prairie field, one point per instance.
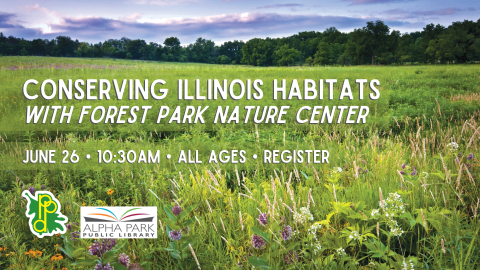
[[399, 192]]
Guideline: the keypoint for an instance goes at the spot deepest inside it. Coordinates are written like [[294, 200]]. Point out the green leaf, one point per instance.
[[108, 256], [173, 225], [187, 211], [258, 263], [118, 266], [77, 253], [66, 252], [261, 233], [87, 263], [169, 213]]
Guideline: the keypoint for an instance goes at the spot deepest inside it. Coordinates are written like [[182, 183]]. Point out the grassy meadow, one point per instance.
[[400, 192]]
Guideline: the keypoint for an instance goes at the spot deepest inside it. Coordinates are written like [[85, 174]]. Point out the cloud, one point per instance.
[[133, 17], [370, 2], [165, 2], [398, 13], [6, 20], [291, 5], [219, 27], [10, 26]]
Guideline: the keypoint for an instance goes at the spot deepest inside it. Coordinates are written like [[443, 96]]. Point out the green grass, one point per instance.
[[412, 123]]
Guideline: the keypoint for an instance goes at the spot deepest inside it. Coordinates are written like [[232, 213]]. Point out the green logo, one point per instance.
[[43, 209]]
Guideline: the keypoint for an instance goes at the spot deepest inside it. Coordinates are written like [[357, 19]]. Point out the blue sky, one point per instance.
[[218, 20]]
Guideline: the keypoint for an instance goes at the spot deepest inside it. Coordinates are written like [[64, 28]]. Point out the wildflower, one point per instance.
[[453, 146], [354, 235], [110, 191], [124, 260], [414, 172], [341, 252], [175, 235], [258, 242], [337, 170], [290, 257], [100, 266], [44, 187], [83, 204], [408, 266], [185, 230], [317, 247], [99, 249], [313, 230], [303, 216], [56, 257], [32, 190], [396, 231], [402, 172], [403, 166], [286, 233], [177, 209], [135, 266], [33, 253], [470, 156], [425, 174], [74, 235], [262, 219], [375, 213]]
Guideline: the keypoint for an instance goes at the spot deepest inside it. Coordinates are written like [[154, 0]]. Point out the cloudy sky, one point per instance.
[[219, 20]]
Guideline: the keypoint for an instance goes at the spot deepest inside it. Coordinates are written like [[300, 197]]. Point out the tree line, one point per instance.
[[373, 44]]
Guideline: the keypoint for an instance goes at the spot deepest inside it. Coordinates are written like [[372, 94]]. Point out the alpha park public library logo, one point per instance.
[[43, 209], [118, 222]]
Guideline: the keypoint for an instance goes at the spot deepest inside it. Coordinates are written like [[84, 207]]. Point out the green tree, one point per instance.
[[286, 56]]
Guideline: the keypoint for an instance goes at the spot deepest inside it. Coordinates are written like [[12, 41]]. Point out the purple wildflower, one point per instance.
[[98, 249], [262, 218], [69, 227], [402, 172], [290, 257], [459, 155], [100, 266], [177, 209], [414, 172], [175, 235], [44, 187], [74, 235], [108, 244], [286, 233], [124, 260], [403, 166], [470, 156], [258, 242], [32, 190], [135, 266]]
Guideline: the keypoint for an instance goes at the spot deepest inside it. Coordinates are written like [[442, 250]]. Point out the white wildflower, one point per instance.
[[354, 235], [303, 215], [341, 252], [453, 146]]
